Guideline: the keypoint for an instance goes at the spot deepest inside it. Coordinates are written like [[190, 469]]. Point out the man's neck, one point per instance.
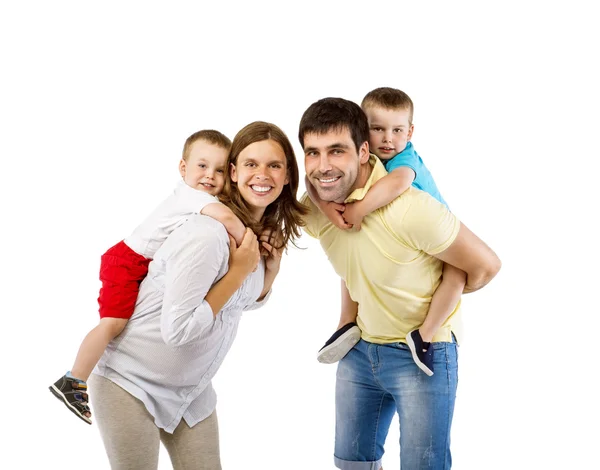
[[364, 173]]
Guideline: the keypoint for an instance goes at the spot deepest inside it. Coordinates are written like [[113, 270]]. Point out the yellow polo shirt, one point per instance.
[[387, 265]]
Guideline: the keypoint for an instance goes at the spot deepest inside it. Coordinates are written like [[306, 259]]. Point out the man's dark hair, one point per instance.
[[335, 114]]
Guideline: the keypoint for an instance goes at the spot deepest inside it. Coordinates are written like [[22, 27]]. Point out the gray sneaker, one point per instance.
[[340, 344]]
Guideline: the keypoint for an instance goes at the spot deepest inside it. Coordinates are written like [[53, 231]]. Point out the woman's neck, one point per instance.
[[256, 214]]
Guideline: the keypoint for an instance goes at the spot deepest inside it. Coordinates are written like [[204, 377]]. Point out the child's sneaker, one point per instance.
[[340, 343], [422, 352], [72, 392]]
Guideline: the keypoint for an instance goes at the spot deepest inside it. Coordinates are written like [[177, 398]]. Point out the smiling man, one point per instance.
[[391, 267]]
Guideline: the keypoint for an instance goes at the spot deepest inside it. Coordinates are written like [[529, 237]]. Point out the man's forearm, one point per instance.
[[473, 256]]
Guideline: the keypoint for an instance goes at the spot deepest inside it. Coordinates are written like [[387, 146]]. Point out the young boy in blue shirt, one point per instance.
[[390, 113]]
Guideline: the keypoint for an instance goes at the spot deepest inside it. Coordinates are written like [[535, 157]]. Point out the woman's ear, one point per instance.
[[182, 168], [232, 172]]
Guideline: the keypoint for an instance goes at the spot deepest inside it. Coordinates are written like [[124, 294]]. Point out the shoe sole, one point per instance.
[[58, 394], [413, 351], [340, 347]]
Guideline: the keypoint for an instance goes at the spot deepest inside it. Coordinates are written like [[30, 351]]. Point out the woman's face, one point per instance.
[[260, 174]]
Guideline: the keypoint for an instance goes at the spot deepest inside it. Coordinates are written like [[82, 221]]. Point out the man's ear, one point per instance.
[[182, 166], [232, 172], [363, 152]]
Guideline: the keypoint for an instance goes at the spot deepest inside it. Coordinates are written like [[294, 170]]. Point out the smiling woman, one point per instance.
[[263, 169], [154, 384]]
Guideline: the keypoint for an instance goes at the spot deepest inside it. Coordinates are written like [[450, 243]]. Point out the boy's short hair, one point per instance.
[[335, 114], [389, 98], [208, 135]]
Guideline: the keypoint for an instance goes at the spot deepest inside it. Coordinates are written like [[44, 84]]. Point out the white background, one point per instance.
[[97, 100]]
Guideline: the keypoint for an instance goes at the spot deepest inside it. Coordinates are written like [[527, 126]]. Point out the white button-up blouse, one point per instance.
[[173, 345]]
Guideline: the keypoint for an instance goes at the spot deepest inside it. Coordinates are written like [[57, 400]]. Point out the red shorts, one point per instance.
[[121, 272]]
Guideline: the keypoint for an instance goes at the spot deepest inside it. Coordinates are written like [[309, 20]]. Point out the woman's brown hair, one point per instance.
[[283, 217]]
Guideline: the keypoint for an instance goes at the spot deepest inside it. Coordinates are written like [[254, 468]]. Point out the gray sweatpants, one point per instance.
[[132, 440]]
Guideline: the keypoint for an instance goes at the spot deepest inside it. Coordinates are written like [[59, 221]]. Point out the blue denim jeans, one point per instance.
[[374, 381]]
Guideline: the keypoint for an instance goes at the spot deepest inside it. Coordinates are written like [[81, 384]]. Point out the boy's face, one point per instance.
[[205, 167], [389, 131]]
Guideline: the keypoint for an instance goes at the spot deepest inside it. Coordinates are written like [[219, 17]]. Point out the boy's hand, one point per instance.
[[334, 213], [225, 215], [353, 215], [272, 255], [269, 244]]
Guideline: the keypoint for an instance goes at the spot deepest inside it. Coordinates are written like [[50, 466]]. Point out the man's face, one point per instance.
[[332, 163]]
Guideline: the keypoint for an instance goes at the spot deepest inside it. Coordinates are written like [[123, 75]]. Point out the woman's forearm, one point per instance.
[[190, 272], [221, 292]]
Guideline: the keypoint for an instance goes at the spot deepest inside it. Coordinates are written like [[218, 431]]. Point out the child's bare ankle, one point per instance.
[[426, 335], [78, 373], [344, 323]]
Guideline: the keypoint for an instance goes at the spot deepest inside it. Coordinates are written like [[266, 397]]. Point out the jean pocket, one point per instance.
[[399, 345]]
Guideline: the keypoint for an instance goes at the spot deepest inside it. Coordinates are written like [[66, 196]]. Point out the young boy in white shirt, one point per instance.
[[125, 265]]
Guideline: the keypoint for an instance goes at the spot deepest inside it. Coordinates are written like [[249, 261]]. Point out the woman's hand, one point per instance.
[[244, 259], [271, 254]]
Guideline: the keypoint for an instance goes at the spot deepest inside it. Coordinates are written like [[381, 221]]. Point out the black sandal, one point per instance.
[[72, 393]]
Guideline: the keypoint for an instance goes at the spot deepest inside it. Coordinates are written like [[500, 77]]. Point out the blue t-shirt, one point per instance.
[[423, 179]]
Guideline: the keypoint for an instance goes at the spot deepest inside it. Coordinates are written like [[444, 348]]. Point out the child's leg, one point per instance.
[[349, 308], [94, 344], [444, 300], [90, 351], [347, 334], [121, 272], [347, 317]]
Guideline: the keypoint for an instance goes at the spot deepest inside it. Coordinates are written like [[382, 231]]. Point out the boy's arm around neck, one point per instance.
[[380, 194], [224, 214], [387, 189]]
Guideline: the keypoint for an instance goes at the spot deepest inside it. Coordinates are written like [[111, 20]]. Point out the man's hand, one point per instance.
[[353, 215], [334, 213]]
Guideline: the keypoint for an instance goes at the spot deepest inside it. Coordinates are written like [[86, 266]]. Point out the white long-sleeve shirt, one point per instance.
[[171, 213], [173, 345]]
